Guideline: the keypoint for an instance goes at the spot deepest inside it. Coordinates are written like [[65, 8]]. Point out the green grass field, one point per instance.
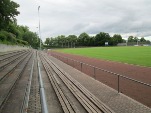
[[131, 55]]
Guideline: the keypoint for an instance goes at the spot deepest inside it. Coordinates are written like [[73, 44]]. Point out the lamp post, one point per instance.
[[126, 42], [37, 32], [137, 42], [137, 38], [39, 26]]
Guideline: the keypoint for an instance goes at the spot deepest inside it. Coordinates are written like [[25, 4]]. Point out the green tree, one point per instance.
[[68, 40], [116, 39], [135, 39], [14, 29], [83, 39], [62, 40], [130, 39], [12, 33], [142, 39], [101, 38], [53, 42], [91, 41], [148, 42], [32, 39], [47, 41], [72, 40], [8, 12]]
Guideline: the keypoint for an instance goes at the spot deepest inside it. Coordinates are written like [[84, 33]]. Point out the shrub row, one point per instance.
[[9, 37]]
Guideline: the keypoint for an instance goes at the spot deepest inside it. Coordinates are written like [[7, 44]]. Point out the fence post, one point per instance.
[[73, 63], [118, 83], [81, 66], [94, 72], [67, 60], [64, 60]]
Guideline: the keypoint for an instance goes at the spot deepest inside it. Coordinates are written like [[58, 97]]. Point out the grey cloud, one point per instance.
[[92, 16]]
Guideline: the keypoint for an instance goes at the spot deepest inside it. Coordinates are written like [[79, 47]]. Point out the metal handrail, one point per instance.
[[42, 92], [119, 75]]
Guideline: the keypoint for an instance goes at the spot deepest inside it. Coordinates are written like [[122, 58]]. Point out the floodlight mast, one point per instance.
[[39, 27]]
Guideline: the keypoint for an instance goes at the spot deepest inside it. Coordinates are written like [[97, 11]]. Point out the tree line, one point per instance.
[[84, 39], [135, 39], [10, 32]]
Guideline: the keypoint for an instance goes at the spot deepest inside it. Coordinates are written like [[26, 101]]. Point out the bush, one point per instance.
[[3, 35], [22, 42], [9, 38], [18, 41]]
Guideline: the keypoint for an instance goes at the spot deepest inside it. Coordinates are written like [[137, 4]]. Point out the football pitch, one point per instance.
[[132, 55]]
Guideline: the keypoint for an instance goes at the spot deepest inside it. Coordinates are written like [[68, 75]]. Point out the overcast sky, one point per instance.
[[64, 17]]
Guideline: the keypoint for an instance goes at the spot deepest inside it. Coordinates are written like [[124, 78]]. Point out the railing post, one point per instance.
[[67, 60], [81, 66], [73, 63], [94, 72], [118, 83]]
